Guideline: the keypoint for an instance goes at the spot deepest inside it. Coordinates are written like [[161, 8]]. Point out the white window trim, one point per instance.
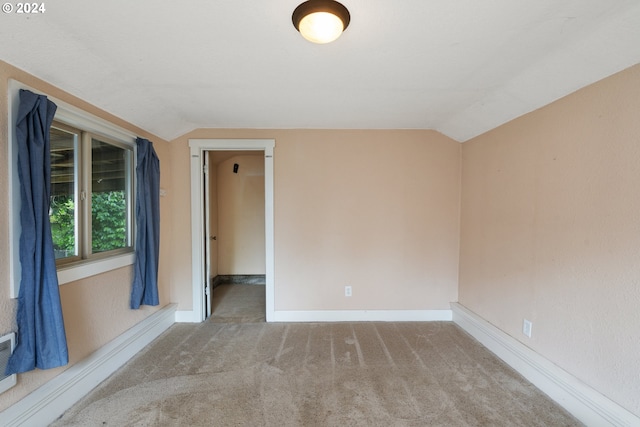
[[78, 118]]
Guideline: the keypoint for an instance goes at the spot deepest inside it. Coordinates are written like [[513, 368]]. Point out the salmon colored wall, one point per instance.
[[551, 232], [377, 210], [95, 309], [241, 227]]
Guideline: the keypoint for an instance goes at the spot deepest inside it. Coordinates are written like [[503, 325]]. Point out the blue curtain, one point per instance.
[[42, 342], [145, 279]]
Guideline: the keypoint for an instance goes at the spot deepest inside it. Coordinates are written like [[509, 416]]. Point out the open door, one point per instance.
[[208, 291], [200, 236]]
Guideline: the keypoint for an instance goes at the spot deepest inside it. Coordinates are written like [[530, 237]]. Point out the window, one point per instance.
[[64, 178], [91, 195]]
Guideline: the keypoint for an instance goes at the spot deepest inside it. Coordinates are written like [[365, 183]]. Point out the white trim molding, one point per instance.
[[91, 268], [48, 402], [582, 401], [187, 316], [362, 316]]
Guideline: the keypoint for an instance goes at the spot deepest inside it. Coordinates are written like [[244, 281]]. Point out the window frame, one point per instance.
[[77, 187], [84, 195], [131, 196], [74, 117]]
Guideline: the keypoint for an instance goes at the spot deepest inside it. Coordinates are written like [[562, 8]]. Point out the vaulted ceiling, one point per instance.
[[461, 67]]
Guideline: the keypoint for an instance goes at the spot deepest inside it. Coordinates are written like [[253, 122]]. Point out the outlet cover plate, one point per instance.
[[526, 327]]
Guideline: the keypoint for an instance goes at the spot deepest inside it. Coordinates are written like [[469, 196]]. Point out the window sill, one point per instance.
[[88, 269]]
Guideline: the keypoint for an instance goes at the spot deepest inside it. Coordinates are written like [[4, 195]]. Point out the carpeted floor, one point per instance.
[[322, 374], [238, 304]]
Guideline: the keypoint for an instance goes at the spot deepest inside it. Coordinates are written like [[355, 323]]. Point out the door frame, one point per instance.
[[206, 197], [197, 149]]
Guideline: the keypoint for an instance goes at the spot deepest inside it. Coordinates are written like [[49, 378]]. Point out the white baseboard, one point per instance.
[[361, 315], [48, 402], [585, 403], [186, 316]]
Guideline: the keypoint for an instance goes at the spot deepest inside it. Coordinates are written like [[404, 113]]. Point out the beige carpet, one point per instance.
[[238, 304], [329, 374]]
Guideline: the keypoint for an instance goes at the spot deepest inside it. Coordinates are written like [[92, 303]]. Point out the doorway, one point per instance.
[[201, 151], [235, 229]]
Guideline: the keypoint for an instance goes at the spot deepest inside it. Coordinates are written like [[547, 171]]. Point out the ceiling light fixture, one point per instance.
[[321, 21]]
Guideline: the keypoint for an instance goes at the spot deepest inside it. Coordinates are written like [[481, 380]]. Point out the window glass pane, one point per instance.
[[109, 196], [62, 211]]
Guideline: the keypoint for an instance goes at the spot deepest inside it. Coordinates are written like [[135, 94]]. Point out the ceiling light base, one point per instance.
[[321, 21]]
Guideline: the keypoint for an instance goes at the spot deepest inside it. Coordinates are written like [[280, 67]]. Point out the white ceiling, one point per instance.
[[461, 67]]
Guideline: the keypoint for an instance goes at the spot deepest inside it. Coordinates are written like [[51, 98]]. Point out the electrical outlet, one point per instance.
[[347, 291], [526, 327]]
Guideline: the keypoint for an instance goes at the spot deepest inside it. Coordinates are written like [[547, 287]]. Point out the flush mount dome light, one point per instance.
[[321, 21]]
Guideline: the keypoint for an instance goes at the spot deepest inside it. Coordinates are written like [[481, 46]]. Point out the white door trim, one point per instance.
[[197, 149], [208, 293]]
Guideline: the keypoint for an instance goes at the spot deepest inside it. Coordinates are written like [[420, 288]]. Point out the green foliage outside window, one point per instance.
[[109, 222], [109, 213], [62, 225]]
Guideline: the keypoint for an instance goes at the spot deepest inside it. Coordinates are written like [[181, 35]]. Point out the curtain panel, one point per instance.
[[41, 340], [144, 290]]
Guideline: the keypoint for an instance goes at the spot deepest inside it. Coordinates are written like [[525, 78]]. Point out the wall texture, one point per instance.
[[551, 232], [377, 210], [95, 309], [241, 227]]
